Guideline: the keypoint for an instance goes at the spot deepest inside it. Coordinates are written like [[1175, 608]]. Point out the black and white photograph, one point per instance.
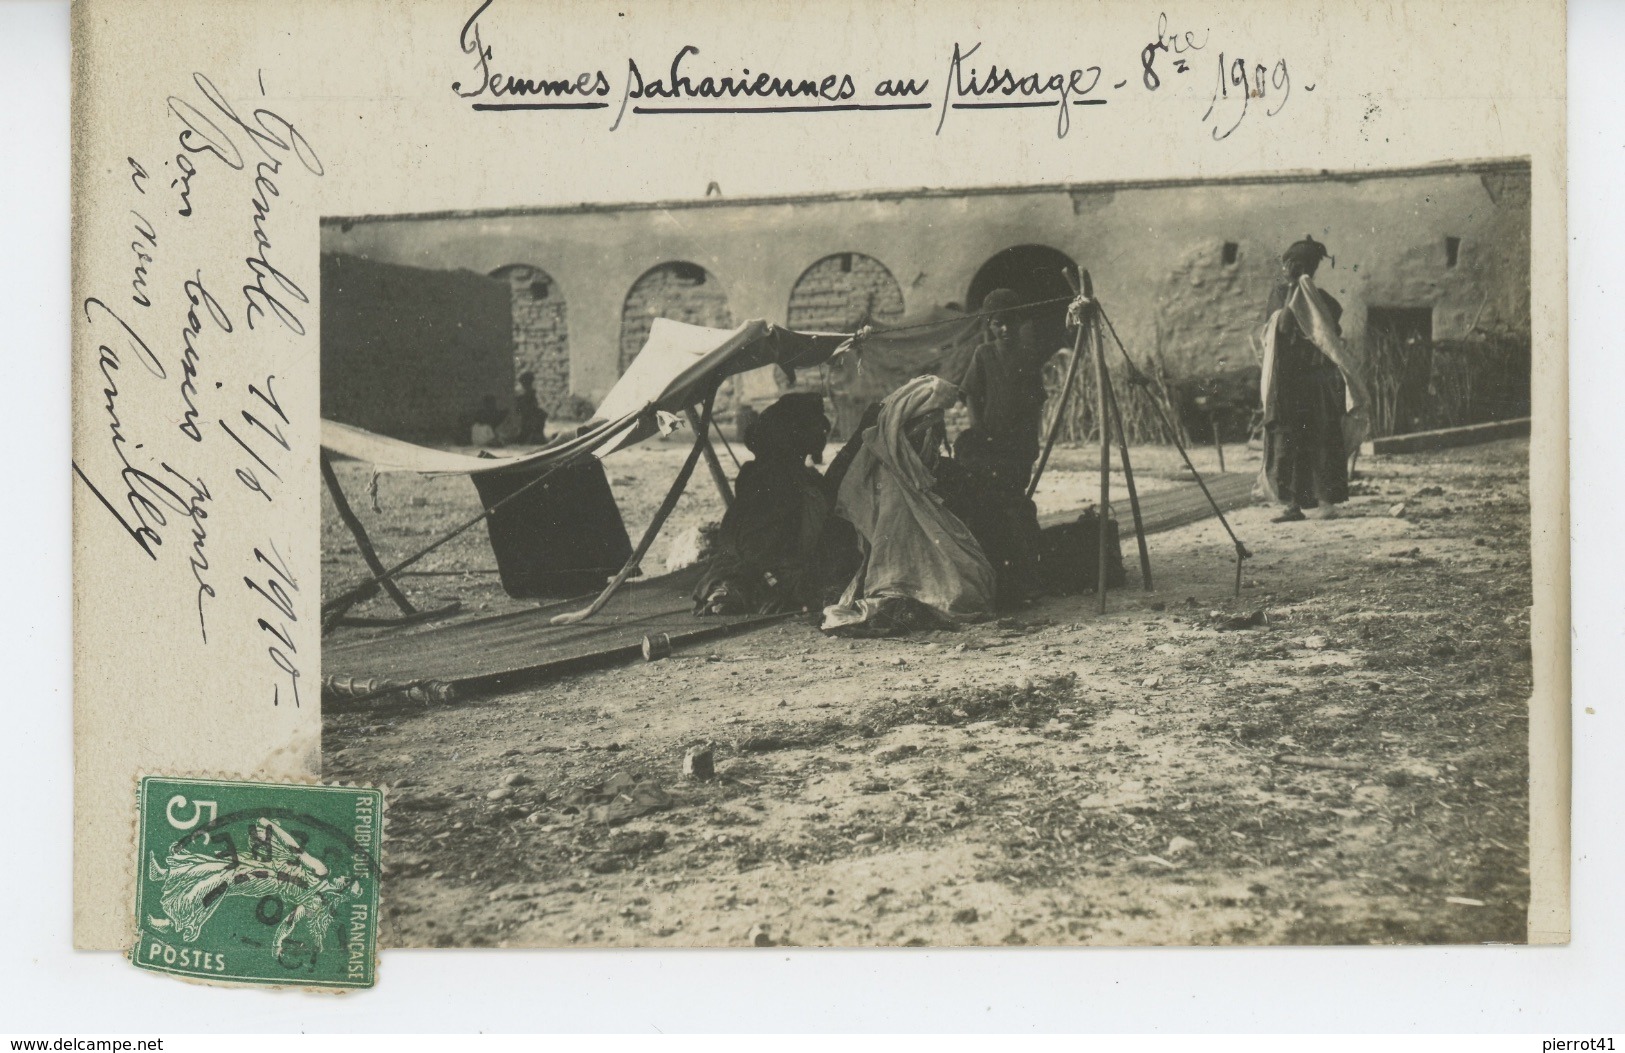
[[1138, 562], [675, 516]]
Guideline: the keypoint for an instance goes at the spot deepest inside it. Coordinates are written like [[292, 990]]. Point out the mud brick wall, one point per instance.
[[842, 292], [683, 292], [409, 352], [1209, 313], [838, 294], [1390, 242], [1184, 266], [541, 336]]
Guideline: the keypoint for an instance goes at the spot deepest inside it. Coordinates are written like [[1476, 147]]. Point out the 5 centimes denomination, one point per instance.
[[258, 883]]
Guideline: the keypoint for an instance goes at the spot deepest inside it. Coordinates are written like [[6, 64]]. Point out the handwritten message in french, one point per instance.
[[187, 417]]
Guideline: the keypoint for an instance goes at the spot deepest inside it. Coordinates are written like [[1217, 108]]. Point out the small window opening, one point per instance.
[[846, 263], [1231, 251], [1452, 251], [539, 289]]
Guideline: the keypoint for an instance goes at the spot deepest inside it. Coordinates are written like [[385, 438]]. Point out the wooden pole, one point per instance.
[[364, 543], [1136, 376], [1102, 422], [1128, 477], [1066, 390], [701, 440], [718, 474]]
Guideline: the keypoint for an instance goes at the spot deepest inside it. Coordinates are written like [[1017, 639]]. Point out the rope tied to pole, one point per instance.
[[1077, 312], [855, 338]]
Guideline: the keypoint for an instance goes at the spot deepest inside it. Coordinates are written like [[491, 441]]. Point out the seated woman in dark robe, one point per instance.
[[976, 485], [768, 544]]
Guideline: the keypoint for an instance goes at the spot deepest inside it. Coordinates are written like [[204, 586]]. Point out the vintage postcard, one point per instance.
[[817, 475]]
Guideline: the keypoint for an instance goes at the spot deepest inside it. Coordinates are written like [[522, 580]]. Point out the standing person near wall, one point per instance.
[[1310, 381], [1004, 392]]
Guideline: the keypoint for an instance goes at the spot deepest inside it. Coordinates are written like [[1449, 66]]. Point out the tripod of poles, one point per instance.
[[1088, 318]]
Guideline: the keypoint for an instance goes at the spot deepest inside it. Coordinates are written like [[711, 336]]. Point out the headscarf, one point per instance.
[[908, 405], [794, 426], [1307, 253], [1307, 306]]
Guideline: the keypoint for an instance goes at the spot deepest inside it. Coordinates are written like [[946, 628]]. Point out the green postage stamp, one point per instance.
[[258, 883]]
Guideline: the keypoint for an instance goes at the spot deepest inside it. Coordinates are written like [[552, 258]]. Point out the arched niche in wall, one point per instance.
[[1034, 274], [679, 290], [541, 334], [841, 293]]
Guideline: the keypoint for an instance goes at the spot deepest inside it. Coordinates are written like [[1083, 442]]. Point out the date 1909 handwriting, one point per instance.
[[1239, 80]]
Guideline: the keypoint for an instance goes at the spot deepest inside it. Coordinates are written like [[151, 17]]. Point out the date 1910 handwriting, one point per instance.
[[278, 582]]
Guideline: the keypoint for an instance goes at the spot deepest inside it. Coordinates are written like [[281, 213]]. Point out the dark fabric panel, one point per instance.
[[1069, 556], [563, 537]]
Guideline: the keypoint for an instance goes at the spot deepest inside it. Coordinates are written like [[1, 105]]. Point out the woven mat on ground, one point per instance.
[[506, 651]]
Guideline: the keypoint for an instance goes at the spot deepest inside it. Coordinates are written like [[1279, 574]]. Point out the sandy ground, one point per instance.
[[1348, 767]]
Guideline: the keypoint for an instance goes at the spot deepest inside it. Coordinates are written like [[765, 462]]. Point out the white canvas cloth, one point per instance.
[[1314, 320], [677, 366]]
